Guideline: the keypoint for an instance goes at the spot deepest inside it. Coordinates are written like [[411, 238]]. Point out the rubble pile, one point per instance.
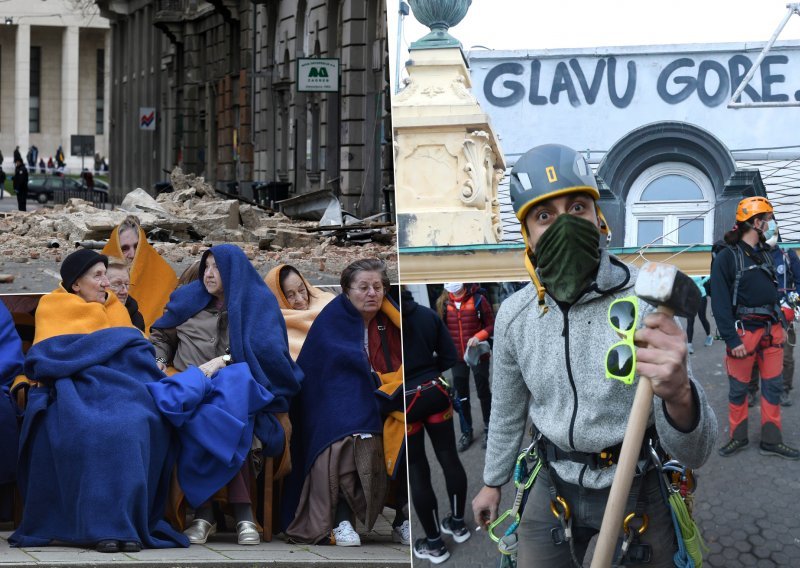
[[184, 223]]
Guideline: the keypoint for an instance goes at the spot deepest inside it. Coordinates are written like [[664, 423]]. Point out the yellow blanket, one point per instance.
[[152, 278], [62, 313], [298, 322]]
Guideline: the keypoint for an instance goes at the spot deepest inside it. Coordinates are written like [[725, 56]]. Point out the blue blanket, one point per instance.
[[257, 333], [338, 397], [214, 421], [95, 453], [10, 366]]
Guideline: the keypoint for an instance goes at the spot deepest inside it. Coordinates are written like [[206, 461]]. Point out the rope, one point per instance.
[[692, 539]]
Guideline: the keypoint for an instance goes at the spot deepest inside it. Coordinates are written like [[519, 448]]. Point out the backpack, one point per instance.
[[768, 266]]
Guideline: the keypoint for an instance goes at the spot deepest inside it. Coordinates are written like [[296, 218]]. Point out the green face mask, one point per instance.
[[567, 256]]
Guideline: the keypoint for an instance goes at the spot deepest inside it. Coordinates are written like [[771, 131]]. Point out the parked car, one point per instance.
[[42, 188]]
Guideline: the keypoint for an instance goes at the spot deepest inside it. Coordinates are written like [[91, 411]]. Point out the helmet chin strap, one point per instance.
[[540, 290]]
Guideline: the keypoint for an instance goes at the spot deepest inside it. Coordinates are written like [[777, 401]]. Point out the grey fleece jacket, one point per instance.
[[553, 366]]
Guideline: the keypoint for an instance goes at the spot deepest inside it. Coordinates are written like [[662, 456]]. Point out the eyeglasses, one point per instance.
[[623, 315], [116, 286], [364, 289]]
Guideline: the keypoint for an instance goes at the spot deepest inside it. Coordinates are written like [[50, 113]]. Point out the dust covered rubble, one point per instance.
[[181, 225]]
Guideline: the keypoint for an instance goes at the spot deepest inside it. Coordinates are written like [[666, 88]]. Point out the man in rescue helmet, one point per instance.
[[551, 344], [745, 302]]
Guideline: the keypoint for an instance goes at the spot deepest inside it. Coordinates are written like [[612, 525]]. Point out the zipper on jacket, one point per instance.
[[565, 334]]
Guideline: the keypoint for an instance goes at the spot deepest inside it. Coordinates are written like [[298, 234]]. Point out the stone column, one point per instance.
[[69, 87], [103, 150], [448, 161], [22, 88]]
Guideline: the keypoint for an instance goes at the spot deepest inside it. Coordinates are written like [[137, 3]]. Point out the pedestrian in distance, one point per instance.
[[787, 267], [745, 302], [21, 184], [701, 315], [554, 341], [469, 317], [428, 351]]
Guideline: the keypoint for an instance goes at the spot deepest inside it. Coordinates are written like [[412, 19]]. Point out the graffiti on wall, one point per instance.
[[573, 81]]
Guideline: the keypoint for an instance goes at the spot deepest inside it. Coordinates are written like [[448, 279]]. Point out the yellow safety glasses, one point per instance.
[[623, 315]]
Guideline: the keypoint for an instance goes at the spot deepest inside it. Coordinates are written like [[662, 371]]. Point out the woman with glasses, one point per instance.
[[348, 420], [119, 282], [556, 343], [300, 302]]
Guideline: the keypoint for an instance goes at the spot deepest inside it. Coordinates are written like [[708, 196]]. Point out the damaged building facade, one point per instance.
[[216, 88]]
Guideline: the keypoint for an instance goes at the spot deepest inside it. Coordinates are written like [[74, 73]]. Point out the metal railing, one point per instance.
[[97, 198]]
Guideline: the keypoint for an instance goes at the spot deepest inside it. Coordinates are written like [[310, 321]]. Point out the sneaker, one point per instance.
[[464, 441], [752, 399], [346, 535], [732, 447], [458, 529], [709, 341], [402, 534], [423, 549], [691, 349], [786, 400], [780, 450]]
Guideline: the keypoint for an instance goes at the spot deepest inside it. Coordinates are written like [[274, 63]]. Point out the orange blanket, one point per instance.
[[394, 427], [152, 278], [62, 313], [298, 322]]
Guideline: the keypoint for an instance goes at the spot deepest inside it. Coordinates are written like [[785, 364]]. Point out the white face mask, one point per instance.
[[771, 232], [453, 287], [773, 240]]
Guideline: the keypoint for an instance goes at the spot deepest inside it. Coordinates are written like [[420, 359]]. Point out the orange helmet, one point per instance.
[[750, 206]]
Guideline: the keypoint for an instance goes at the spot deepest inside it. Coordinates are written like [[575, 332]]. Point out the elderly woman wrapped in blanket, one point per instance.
[[229, 319], [102, 425], [300, 303], [346, 434], [95, 453]]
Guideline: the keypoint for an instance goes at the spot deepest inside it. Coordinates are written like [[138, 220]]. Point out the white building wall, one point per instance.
[[47, 22]]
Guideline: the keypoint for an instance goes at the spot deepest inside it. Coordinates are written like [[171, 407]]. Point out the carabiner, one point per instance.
[[641, 530], [497, 522], [554, 509]]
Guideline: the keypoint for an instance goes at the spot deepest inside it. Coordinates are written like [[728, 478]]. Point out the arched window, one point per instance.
[[670, 204]]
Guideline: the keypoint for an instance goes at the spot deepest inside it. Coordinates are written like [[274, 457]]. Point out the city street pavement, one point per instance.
[[377, 551], [745, 505], [9, 203]]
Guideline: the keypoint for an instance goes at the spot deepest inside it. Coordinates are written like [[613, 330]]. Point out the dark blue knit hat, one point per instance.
[[77, 263]]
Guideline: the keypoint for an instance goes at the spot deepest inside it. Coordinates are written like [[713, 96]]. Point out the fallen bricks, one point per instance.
[[193, 218]]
